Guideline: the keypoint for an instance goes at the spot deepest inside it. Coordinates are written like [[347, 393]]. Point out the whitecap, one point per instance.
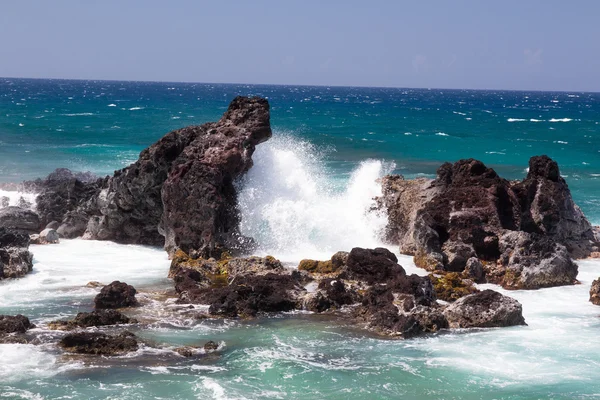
[[561, 120], [112, 105], [136, 108], [560, 142], [21, 124], [441, 134], [536, 120], [468, 119], [516, 120], [407, 133], [77, 114]]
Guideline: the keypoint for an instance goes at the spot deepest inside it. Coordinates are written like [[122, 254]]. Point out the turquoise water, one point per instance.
[[306, 196], [102, 126]]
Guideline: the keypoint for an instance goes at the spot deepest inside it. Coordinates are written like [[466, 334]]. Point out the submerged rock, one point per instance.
[[15, 258], [98, 343], [471, 220], [486, 309], [94, 318], [116, 295]]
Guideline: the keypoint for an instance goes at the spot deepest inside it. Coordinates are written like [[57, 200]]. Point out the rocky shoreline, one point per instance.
[[466, 226]]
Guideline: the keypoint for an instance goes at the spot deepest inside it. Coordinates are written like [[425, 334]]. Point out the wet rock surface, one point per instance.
[[15, 258], [116, 295], [20, 220], [486, 309], [94, 318], [519, 234], [595, 292], [14, 324], [367, 287], [99, 343]]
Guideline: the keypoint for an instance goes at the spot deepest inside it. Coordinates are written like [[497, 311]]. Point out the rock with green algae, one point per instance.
[[451, 286]]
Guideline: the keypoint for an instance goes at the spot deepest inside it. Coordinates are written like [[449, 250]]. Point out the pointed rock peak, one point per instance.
[[543, 167]]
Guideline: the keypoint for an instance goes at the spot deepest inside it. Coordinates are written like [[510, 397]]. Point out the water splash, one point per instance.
[[295, 209]]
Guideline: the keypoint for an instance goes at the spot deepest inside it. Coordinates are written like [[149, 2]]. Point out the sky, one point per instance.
[[477, 44]]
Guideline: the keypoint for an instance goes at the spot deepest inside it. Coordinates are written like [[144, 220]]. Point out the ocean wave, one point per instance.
[[293, 208], [85, 114], [561, 120], [536, 120], [516, 120], [560, 142], [136, 108], [441, 134], [112, 105]]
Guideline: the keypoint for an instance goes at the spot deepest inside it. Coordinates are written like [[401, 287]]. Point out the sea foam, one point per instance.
[[295, 210]]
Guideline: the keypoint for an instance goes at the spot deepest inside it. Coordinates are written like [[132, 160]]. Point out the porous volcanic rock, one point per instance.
[[116, 295], [94, 318], [14, 324], [15, 258], [486, 309], [470, 219], [19, 220], [98, 343]]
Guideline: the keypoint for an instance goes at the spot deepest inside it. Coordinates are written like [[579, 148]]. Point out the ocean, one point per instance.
[[305, 197]]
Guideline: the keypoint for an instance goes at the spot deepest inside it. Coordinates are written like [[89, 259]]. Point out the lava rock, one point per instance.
[[15, 258], [486, 309], [465, 219], [98, 343], [595, 292], [116, 295], [19, 219], [14, 324], [94, 318], [372, 265]]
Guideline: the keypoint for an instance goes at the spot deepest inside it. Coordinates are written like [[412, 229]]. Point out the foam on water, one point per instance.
[[295, 211], [14, 197], [61, 271]]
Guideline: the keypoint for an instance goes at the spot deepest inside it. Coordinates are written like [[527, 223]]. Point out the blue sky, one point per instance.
[[526, 44]]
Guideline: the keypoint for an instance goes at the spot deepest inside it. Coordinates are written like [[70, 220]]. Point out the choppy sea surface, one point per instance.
[[306, 196]]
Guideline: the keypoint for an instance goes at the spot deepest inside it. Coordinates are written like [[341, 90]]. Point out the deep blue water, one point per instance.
[[102, 126]]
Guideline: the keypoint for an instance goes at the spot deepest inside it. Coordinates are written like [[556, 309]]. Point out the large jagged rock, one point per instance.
[[470, 219], [15, 258], [19, 220], [116, 295], [180, 192], [486, 309], [98, 343], [65, 197], [200, 203], [547, 208]]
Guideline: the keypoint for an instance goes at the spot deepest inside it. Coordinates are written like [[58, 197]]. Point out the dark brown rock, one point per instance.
[[595, 292], [94, 318], [14, 324], [15, 258], [470, 219], [98, 343], [486, 309], [116, 295], [19, 220], [372, 265]]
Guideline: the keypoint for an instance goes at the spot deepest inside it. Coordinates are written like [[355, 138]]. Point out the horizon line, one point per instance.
[[297, 85]]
